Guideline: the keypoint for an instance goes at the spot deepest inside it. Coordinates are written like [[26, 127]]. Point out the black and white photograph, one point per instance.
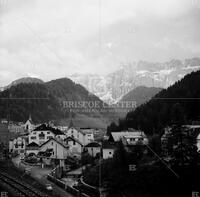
[[99, 98]]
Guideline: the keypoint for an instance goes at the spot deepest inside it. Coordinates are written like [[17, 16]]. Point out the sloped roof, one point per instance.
[[32, 144], [117, 136], [56, 140], [46, 127], [109, 145], [70, 138], [78, 129], [93, 144]]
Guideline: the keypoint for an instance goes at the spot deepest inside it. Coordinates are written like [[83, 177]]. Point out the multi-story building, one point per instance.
[[16, 128], [83, 135], [17, 145], [135, 138], [75, 145], [54, 151], [43, 133], [88, 135]]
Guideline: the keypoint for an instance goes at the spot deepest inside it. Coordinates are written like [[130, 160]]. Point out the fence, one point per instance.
[[69, 189], [91, 190]]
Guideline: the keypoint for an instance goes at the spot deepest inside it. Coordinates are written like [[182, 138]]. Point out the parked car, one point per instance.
[[49, 187]]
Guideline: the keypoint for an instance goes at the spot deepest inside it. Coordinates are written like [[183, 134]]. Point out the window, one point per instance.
[[110, 153], [48, 132], [52, 143], [74, 143], [49, 137], [33, 138], [41, 136]]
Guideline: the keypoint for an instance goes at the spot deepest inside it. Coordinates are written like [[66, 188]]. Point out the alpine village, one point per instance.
[[152, 151]]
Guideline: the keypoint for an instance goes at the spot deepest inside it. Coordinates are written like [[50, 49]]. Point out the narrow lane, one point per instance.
[[40, 174]]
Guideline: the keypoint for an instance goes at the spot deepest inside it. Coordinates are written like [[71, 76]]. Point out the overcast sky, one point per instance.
[[54, 38]]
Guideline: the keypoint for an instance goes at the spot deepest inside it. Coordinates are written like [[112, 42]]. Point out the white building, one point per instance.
[[135, 138], [16, 128], [55, 151], [17, 145], [88, 135], [108, 149], [43, 133], [84, 137], [131, 137], [76, 147]]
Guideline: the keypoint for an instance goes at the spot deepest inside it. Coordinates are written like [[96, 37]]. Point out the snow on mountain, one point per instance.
[[112, 87]]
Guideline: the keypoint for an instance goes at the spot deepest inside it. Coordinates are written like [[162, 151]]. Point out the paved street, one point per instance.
[[41, 175]]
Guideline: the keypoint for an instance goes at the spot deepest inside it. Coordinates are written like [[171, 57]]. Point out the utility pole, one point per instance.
[[100, 178]]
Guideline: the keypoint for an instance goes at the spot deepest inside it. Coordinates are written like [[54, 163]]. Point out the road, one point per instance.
[[40, 174]]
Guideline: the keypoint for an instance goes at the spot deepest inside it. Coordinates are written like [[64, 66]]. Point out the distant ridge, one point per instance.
[[141, 94], [23, 80]]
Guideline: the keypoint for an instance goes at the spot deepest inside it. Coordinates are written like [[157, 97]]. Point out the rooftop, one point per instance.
[[70, 138], [93, 144], [32, 144], [117, 136], [109, 145], [56, 140], [46, 127]]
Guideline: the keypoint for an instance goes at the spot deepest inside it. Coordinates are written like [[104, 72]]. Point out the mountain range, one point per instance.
[[112, 87], [178, 104]]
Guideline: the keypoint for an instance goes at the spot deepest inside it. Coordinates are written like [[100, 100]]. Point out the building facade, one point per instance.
[[43, 133]]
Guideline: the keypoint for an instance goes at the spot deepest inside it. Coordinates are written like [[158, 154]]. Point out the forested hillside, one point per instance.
[[43, 101], [18, 102]]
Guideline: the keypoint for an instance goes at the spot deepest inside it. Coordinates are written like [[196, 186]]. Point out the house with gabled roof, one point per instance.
[[93, 149], [88, 135], [108, 149], [130, 137], [76, 147], [43, 133], [84, 135], [54, 151]]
